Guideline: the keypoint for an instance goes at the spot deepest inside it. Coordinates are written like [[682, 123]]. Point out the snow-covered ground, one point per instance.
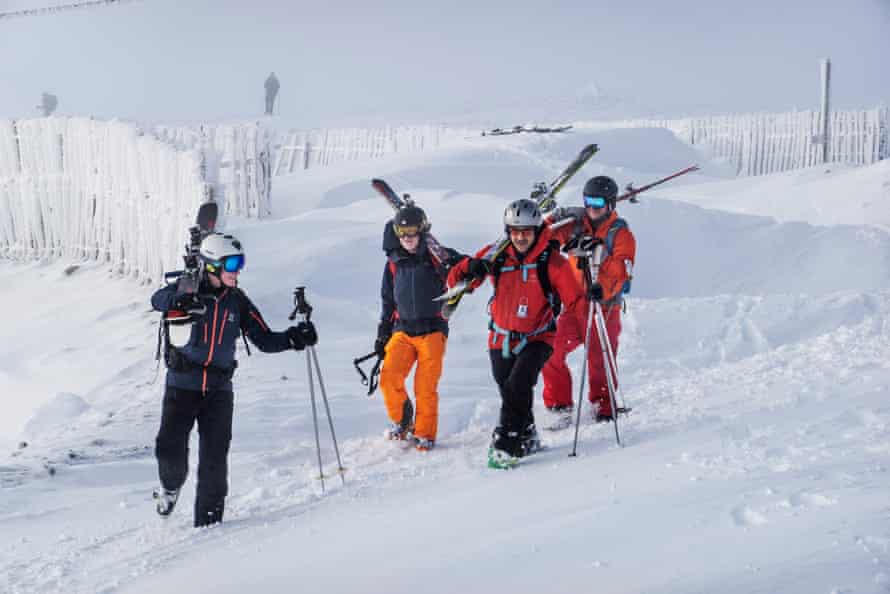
[[755, 354]]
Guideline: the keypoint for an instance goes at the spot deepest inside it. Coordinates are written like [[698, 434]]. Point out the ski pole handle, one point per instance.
[[301, 306], [365, 358], [375, 371]]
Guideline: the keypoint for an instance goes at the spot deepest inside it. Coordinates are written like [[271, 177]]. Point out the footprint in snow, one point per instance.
[[745, 516], [811, 499]]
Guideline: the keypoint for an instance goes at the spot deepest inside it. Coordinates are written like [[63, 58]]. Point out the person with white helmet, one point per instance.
[[199, 374], [532, 284]]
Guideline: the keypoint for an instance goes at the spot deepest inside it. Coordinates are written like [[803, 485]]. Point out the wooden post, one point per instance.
[[824, 112]]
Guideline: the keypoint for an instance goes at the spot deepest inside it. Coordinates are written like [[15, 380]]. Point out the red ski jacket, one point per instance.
[[613, 272], [519, 308]]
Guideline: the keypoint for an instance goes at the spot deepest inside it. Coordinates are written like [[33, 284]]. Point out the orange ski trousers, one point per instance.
[[402, 351]]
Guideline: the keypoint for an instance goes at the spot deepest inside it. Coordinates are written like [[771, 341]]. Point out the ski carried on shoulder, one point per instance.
[[545, 196], [175, 325], [396, 202]]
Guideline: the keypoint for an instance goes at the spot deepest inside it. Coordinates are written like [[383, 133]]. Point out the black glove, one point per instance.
[[595, 293], [588, 243], [584, 243], [384, 331], [478, 268], [190, 304], [302, 335]]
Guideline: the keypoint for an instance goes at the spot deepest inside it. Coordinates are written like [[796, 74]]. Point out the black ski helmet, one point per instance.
[[602, 186], [410, 219]]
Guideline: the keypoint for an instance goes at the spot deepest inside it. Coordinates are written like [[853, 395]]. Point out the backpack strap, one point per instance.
[[544, 277], [541, 264], [617, 225]]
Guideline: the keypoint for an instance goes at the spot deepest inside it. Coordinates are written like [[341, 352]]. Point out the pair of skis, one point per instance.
[[545, 196]]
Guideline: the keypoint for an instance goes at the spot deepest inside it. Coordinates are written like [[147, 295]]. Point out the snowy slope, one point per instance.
[[754, 353], [832, 194]]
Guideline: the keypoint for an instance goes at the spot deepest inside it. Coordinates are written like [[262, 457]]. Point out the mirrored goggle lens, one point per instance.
[[233, 263], [594, 202], [406, 230]]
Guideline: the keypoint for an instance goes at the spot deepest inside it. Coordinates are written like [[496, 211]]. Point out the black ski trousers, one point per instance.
[[213, 412], [516, 378]]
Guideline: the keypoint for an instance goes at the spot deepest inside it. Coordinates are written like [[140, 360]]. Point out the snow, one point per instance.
[[755, 354]]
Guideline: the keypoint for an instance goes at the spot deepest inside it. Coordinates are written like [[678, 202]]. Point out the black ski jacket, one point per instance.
[[208, 362], [410, 282]]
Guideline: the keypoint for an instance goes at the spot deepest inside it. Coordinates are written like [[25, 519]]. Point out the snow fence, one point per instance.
[[764, 143], [107, 191]]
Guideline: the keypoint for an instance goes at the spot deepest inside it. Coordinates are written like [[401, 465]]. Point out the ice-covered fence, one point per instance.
[[238, 158], [304, 149], [96, 190], [758, 144]]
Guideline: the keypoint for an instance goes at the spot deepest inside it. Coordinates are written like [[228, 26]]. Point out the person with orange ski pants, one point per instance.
[[597, 222], [411, 329]]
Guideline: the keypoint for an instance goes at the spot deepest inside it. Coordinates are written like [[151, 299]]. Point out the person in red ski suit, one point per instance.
[[530, 282], [598, 222]]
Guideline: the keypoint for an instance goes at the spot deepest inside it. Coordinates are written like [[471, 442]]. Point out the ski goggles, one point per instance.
[[229, 263], [406, 230], [595, 202]]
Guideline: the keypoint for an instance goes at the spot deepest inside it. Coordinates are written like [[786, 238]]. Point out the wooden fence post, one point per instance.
[[824, 112]]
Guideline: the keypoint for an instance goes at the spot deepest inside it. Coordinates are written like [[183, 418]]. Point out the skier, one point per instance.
[[597, 222], [271, 85], [411, 329], [531, 284], [199, 375]]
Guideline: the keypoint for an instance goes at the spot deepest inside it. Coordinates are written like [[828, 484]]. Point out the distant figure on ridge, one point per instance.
[[48, 104], [272, 87]]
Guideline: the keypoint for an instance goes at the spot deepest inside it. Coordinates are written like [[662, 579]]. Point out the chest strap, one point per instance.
[[524, 268]]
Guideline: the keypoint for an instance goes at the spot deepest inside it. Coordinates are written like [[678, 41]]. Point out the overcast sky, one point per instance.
[[178, 60]]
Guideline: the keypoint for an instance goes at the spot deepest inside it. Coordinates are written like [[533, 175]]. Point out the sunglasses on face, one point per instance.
[[594, 202], [230, 263], [406, 230]]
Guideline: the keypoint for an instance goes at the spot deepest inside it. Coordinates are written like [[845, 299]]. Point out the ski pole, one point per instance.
[[314, 419], [631, 192], [623, 408], [327, 408], [582, 383], [605, 347], [584, 261], [302, 307]]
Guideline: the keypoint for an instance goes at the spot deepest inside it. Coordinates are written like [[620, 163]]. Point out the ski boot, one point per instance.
[[505, 450], [403, 429], [501, 460], [530, 442], [423, 445], [165, 501], [560, 418]]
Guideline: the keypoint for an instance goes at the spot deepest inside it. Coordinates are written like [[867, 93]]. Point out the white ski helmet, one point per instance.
[[522, 213], [221, 252]]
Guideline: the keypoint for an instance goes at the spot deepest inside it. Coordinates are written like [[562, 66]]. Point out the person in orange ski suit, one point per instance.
[[411, 329], [597, 222]]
